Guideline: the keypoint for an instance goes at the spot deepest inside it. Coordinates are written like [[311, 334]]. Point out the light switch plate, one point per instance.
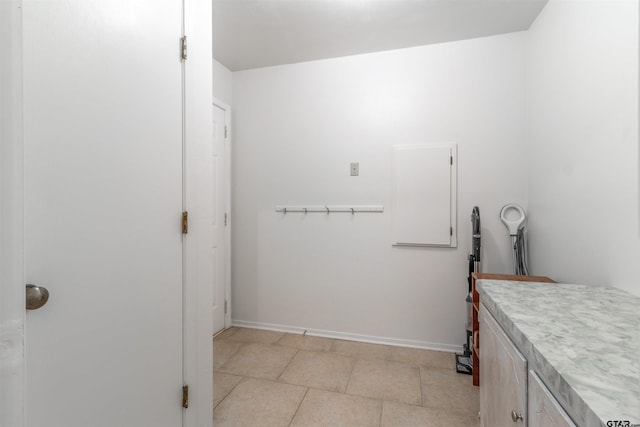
[[355, 169]]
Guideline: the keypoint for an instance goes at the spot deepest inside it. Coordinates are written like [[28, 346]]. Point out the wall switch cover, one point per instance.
[[355, 169]]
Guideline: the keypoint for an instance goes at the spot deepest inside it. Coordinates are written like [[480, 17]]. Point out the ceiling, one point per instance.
[[259, 33]]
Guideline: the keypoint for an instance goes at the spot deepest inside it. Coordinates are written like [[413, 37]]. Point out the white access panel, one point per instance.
[[424, 195]]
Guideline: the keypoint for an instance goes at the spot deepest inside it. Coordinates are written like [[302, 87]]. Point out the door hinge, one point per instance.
[[183, 48], [185, 222], [185, 396], [225, 131], [451, 160], [450, 231], [225, 219], [225, 306]]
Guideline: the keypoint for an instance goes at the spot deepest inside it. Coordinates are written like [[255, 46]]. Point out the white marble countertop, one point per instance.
[[583, 341]]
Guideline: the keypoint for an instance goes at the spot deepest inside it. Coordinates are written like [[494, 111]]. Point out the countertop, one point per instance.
[[583, 341]]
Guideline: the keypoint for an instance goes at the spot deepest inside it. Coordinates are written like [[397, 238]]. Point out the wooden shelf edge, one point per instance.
[[514, 277]]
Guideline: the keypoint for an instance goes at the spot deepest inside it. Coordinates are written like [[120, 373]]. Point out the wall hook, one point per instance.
[[353, 212], [285, 211], [327, 208]]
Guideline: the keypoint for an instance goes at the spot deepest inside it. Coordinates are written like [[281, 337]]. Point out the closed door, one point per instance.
[[103, 202], [207, 249], [219, 213]]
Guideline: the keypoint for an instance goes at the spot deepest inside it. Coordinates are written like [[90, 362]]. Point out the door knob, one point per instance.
[[37, 296]]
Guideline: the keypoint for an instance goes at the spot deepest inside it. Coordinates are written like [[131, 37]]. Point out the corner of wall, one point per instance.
[[582, 95], [222, 83]]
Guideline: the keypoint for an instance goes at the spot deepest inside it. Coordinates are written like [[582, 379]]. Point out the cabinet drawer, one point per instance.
[[544, 409]]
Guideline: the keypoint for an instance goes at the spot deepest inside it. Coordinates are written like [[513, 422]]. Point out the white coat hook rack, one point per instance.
[[327, 209]]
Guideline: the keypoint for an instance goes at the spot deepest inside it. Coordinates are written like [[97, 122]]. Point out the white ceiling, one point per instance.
[[259, 33]]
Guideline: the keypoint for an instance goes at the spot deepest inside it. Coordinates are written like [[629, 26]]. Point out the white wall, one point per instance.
[[583, 179], [297, 128], [222, 83]]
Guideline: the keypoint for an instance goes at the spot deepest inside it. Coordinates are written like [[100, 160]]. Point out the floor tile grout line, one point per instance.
[[353, 367], [299, 405], [358, 396], [278, 378], [229, 393], [421, 391]]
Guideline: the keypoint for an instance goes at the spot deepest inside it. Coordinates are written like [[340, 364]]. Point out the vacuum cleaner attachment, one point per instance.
[[514, 218]]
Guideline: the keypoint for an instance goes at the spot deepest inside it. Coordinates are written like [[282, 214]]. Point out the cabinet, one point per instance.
[[544, 410], [475, 350], [503, 389], [509, 395]]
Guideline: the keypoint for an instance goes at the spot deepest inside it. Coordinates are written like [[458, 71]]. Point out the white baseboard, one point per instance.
[[348, 336]]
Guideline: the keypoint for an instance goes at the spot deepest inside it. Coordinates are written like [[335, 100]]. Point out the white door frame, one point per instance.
[[198, 350], [227, 208], [12, 285]]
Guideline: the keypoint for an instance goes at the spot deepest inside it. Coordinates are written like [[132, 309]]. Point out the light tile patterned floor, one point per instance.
[[272, 379]]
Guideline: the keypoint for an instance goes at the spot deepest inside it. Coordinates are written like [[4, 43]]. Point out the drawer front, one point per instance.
[[544, 409]]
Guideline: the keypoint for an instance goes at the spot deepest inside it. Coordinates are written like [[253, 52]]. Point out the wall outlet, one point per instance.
[[355, 169]]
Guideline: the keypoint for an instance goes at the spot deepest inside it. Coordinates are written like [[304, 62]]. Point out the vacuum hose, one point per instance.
[[519, 241]]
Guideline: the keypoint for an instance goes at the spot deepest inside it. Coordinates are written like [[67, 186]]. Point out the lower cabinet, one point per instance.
[[503, 377], [509, 395], [544, 409]]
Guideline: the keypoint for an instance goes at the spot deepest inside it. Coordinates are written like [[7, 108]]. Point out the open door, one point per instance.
[[103, 200]]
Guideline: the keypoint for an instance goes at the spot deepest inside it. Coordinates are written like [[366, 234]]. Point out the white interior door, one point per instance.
[[103, 197], [220, 217], [12, 290], [207, 177]]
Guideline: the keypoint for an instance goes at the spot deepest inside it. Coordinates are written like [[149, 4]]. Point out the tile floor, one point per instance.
[[266, 378]]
